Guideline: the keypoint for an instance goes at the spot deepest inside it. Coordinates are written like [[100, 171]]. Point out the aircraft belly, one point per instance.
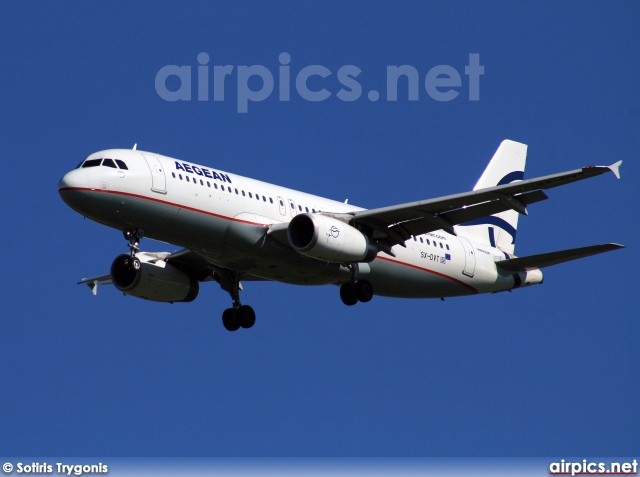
[[405, 277], [250, 249]]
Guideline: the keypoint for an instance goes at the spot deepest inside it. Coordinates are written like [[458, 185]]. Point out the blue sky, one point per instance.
[[546, 371]]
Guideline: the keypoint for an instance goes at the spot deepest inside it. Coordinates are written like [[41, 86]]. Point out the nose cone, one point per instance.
[[75, 179], [72, 188]]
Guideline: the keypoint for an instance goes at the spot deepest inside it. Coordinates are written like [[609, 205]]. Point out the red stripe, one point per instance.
[[459, 282], [173, 204]]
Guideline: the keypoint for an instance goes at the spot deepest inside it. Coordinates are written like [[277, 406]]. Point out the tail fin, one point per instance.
[[499, 230]]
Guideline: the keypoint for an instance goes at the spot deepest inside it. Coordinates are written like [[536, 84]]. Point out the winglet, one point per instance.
[[615, 168], [93, 283]]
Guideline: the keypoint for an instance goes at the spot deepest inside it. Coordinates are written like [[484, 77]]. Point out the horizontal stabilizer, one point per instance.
[[523, 264]]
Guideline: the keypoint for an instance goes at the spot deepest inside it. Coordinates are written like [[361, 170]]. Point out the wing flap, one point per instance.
[[423, 223], [523, 264]]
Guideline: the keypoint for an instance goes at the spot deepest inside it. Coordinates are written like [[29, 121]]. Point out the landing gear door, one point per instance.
[[159, 182], [469, 257]]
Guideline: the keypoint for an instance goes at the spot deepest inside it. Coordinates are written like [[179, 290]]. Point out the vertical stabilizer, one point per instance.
[[499, 230]]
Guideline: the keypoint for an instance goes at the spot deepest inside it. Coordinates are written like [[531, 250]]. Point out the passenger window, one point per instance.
[[270, 200], [109, 163], [121, 164], [264, 198], [180, 175], [186, 178], [208, 184], [243, 194], [215, 185], [307, 209], [299, 207], [447, 246], [428, 243], [92, 163], [421, 241], [441, 245], [250, 195], [222, 187]]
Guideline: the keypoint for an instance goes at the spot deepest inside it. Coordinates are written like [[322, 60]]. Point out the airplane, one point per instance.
[[234, 229]]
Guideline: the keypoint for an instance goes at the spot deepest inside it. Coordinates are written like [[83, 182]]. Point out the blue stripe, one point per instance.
[[498, 222], [492, 238], [512, 176]]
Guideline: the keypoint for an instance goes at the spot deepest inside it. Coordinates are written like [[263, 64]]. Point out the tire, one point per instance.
[[135, 264], [245, 316], [363, 290], [347, 294], [229, 319]]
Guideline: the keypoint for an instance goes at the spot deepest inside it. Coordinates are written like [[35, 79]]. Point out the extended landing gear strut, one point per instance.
[[356, 290], [239, 315], [133, 236]]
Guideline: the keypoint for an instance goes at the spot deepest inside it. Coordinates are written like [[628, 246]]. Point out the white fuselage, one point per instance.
[[224, 218]]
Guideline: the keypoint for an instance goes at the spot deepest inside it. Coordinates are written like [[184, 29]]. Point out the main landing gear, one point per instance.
[[356, 290], [238, 316], [133, 236]]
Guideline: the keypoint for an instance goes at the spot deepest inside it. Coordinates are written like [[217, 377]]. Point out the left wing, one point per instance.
[[395, 224], [190, 262]]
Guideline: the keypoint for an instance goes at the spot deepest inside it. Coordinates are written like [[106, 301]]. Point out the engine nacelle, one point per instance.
[[326, 238], [155, 280], [525, 279]]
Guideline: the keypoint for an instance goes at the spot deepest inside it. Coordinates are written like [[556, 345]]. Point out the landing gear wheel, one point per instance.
[[347, 294], [363, 290], [245, 316], [229, 319], [132, 263]]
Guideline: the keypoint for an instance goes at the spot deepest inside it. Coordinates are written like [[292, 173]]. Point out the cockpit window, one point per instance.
[[109, 163], [122, 165], [92, 163]]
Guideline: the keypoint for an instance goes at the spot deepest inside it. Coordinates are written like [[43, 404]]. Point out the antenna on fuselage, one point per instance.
[[135, 146]]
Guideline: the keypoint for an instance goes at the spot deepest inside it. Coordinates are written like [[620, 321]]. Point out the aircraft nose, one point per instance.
[[75, 179]]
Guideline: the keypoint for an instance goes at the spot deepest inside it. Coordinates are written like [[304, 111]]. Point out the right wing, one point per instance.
[[396, 224]]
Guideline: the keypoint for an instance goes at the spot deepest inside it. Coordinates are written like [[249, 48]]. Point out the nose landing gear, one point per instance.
[[133, 236]]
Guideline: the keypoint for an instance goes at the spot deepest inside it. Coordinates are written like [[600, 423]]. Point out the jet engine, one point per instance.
[[152, 279], [326, 238], [525, 279]]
